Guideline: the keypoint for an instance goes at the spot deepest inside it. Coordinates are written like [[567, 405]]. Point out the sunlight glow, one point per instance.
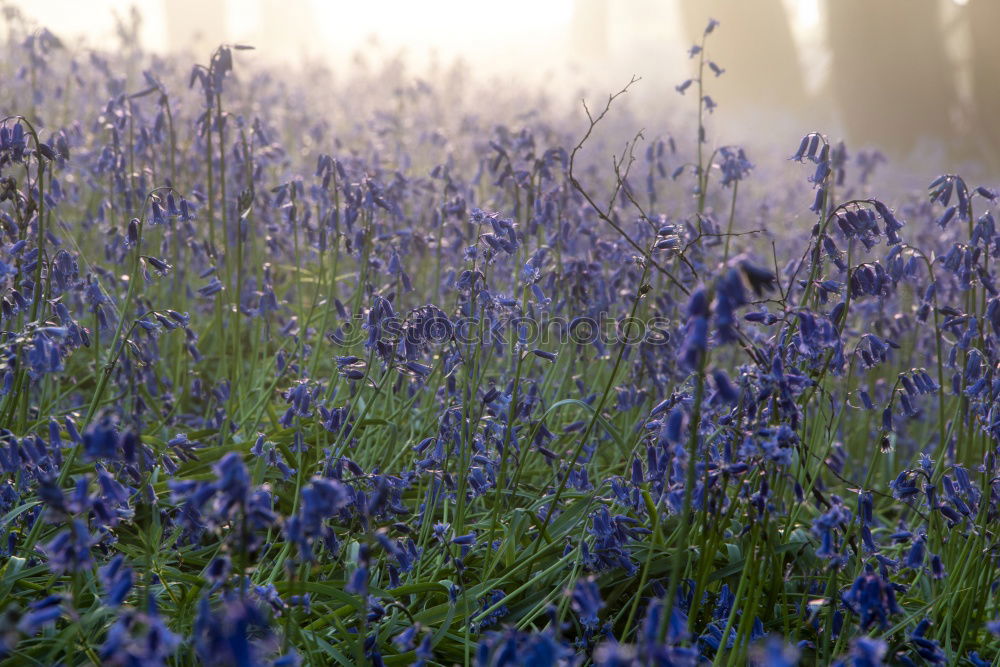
[[477, 32]]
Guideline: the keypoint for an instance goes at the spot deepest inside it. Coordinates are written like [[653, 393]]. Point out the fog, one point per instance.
[[910, 76]]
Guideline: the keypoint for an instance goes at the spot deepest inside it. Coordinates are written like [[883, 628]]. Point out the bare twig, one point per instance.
[[601, 213]]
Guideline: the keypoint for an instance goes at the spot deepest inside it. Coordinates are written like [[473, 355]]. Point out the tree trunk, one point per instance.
[[195, 26], [984, 24], [589, 37], [755, 47], [890, 76]]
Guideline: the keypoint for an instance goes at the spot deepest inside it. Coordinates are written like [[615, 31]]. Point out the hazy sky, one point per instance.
[[485, 33], [527, 41], [506, 37], [474, 30]]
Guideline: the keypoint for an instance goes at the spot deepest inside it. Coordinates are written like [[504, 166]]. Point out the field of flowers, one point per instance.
[[377, 370]]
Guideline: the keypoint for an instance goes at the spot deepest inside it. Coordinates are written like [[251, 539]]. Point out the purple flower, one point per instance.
[[867, 652], [101, 440], [117, 580], [40, 614], [237, 633], [873, 599], [69, 551], [587, 603]]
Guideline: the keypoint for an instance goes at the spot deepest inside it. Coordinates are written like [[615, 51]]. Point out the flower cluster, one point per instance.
[[273, 392]]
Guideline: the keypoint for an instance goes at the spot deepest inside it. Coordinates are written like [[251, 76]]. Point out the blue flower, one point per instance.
[[587, 603], [101, 440], [69, 551], [873, 599], [117, 580], [40, 614]]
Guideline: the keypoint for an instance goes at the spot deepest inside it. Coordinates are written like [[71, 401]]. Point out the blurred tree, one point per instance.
[[288, 29], [757, 51], [984, 24], [128, 27], [589, 37], [195, 26], [890, 76]]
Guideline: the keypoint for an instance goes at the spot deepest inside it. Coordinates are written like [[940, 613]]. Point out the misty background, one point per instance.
[[911, 77]]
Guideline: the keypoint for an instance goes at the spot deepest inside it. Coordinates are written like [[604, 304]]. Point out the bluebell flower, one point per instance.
[[357, 583], [40, 614], [233, 483], [734, 164], [69, 551], [873, 599], [776, 653], [837, 517], [976, 661], [587, 603], [237, 633], [696, 341], [513, 647], [101, 440], [928, 649], [218, 571], [937, 567], [491, 601], [139, 638], [464, 540], [117, 580], [866, 652]]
